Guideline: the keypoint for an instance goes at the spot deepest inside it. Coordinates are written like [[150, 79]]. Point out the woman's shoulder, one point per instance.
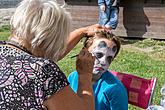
[[46, 67], [41, 67]]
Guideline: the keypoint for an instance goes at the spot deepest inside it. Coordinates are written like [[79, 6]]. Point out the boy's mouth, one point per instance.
[[99, 68]]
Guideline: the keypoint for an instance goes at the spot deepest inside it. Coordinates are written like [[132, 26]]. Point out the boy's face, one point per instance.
[[104, 51]]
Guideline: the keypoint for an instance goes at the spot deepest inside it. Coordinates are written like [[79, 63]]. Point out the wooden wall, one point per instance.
[[136, 18]]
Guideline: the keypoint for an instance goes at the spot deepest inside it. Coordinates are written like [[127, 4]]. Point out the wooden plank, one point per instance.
[[136, 19]]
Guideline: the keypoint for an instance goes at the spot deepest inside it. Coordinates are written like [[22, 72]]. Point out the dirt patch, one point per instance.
[[153, 52], [5, 15], [146, 50]]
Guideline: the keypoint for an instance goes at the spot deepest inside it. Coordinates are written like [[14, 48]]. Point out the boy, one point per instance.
[[109, 92]]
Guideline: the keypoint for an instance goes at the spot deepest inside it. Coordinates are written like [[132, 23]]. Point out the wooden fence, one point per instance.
[[137, 18]]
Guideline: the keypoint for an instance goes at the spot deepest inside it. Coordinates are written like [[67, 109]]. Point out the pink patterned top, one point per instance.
[[26, 81]]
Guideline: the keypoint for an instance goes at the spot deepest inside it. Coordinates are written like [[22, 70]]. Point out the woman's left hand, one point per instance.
[[91, 30]]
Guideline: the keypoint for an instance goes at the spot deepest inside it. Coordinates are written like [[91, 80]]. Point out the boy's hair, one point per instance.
[[103, 34]]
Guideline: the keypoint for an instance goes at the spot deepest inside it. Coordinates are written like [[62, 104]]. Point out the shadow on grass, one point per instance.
[[143, 42], [5, 28], [129, 40]]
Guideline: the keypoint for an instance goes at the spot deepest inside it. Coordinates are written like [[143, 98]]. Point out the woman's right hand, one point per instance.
[[85, 63]]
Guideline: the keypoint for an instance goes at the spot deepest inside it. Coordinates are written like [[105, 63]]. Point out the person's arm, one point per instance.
[[76, 35], [85, 70], [101, 2], [66, 99]]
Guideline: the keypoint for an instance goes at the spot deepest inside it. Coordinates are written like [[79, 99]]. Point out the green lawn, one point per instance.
[[4, 32], [145, 58], [134, 60]]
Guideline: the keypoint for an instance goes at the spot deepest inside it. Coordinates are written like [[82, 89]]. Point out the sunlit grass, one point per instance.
[[130, 61], [145, 58], [149, 43], [4, 32]]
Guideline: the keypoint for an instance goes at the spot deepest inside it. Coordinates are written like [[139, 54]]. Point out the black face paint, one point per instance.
[[114, 48], [102, 44]]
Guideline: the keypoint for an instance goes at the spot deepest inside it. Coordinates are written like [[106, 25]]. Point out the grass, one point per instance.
[[149, 43], [138, 61], [145, 58], [4, 28], [4, 32]]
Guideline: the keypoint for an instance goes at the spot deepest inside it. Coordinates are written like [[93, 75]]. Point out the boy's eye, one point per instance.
[[109, 58], [99, 55]]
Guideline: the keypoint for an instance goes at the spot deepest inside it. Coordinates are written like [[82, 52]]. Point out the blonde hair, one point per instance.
[[43, 24]]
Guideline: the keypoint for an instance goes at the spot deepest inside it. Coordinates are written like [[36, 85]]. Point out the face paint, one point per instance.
[[104, 56]]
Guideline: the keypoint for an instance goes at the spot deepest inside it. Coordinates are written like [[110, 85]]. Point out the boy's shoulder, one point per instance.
[[112, 81], [73, 76]]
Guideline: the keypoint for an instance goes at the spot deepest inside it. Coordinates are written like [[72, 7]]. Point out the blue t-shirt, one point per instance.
[[109, 92]]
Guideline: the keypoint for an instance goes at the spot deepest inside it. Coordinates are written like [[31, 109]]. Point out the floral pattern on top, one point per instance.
[[26, 81]]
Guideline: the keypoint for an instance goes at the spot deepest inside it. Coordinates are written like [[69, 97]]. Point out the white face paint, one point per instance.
[[103, 57]]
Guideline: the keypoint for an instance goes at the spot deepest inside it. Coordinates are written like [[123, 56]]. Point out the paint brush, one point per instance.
[[74, 56], [78, 54]]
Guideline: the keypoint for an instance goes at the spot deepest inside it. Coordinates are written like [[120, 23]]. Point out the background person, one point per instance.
[[108, 13], [29, 77], [109, 92]]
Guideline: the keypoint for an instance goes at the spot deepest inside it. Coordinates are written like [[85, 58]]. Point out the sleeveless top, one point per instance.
[[26, 81]]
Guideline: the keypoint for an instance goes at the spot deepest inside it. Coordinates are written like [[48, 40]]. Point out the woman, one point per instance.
[[29, 77]]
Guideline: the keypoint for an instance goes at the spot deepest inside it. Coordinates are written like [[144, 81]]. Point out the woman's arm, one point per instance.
[[66, 99], [76, 35], [84, 67]]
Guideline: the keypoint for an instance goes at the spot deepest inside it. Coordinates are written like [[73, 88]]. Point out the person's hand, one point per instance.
[[102, 7], [91, 30], [85, 62]]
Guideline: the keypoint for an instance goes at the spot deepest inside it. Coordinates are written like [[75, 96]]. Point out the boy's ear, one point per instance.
[[84, 48], [85, 42]]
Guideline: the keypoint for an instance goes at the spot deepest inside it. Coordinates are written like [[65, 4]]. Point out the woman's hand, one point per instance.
[[76, 35], [91, 30], [85, 63], [84, 66]]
